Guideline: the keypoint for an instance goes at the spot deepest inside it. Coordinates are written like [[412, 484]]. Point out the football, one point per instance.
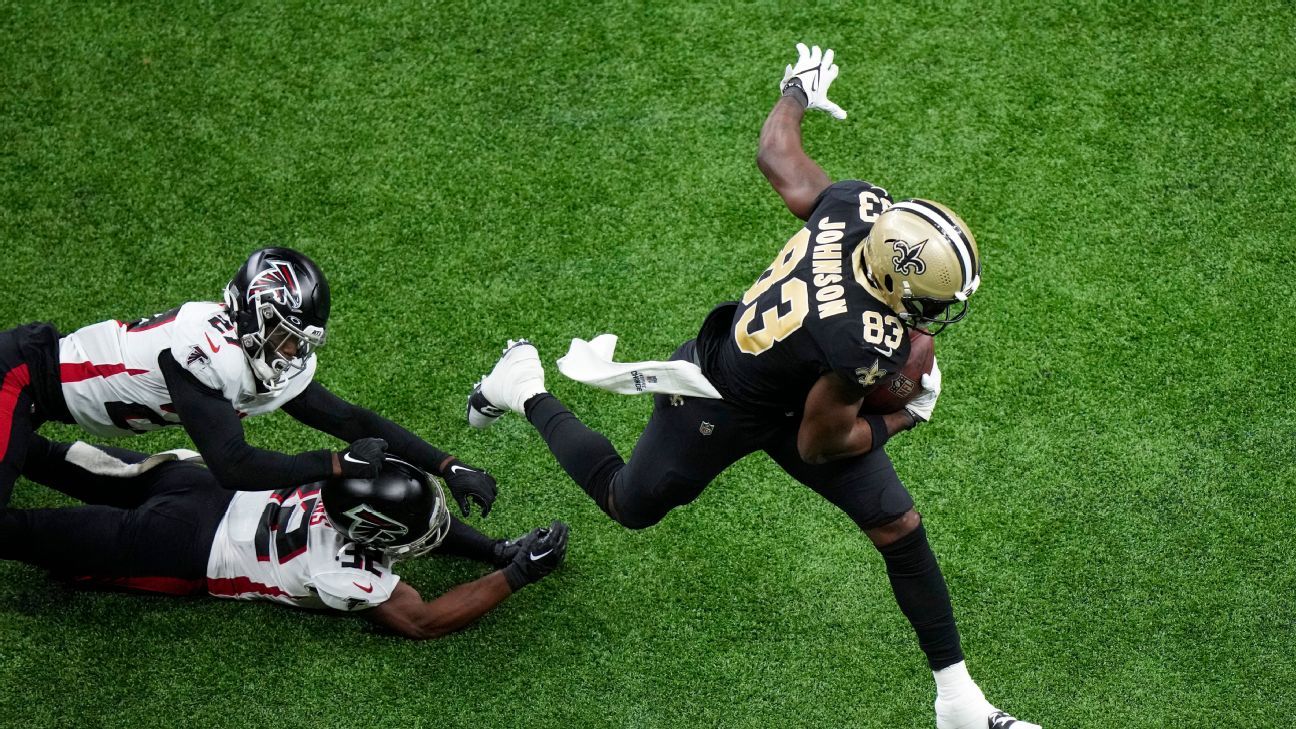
[[894, 391]]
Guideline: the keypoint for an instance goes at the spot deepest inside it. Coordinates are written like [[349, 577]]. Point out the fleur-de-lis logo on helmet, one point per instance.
[[908, 259]]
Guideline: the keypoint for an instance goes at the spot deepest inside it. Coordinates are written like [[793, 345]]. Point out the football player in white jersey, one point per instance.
[[161, 524], [206, 365]]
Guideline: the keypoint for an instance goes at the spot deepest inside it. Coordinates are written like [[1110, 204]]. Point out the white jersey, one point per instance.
[[114, 387], [280, 546]]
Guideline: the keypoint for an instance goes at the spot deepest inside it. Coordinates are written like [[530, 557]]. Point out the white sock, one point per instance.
[[953, 683]]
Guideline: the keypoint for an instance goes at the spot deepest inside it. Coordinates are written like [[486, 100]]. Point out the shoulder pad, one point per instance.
[[354, 589], [204, 343], [857, 193]]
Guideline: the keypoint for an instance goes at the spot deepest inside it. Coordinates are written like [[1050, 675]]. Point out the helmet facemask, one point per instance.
[[279, 303], [438, 528], [278, 346], [931, 316]]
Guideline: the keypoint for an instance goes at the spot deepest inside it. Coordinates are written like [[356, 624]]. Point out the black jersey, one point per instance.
[[807, 314]]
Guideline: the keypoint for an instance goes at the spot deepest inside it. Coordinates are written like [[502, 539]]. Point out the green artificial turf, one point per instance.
[[1108, 480]]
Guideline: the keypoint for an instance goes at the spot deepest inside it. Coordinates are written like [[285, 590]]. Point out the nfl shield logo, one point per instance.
[[706, 428], [901, 386]]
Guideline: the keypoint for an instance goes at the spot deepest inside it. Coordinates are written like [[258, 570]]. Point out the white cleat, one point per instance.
[[976, 714], [481, 414], [516, 378]]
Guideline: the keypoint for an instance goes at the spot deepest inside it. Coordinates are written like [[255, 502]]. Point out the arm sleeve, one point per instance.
[[215, 429], [465, 541], [321, 409]]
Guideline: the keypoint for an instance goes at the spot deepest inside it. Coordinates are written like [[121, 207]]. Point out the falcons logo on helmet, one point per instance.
[[279, 283], [371, 527]]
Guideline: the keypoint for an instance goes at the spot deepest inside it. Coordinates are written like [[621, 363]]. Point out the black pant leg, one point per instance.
[[47, 465], [686, 444], [77, 540], [160, 546], [866, 487], [28, 395], [16, 425]]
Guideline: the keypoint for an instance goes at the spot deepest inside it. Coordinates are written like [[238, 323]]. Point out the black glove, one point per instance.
[[539, 552], [504, 550], [466, 483], [363, 458]]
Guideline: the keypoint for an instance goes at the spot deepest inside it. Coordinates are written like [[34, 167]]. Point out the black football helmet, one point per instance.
[[402, 512], [279, 303]]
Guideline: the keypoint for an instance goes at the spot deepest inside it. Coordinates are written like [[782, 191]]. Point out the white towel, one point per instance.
[[591, 363], [103, 463]]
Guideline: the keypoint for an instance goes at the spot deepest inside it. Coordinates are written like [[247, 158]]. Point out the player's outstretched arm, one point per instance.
[[781, 157], [832, 429], [321, 409], [538, 553], [406, 614], [210, 421]]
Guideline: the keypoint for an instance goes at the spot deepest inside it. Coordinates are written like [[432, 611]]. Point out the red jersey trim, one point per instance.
[[11, 389], [230, 586], [78, 371], [159, 585]]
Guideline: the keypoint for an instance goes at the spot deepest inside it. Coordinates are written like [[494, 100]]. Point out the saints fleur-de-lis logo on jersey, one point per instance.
[[908, 257], [867, 376]]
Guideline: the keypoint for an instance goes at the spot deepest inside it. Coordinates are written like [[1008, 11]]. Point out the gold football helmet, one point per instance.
[[921, 260]]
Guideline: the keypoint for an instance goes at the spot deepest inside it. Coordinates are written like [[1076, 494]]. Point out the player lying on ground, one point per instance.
[[168, 527], [792, 363], [204, 366]]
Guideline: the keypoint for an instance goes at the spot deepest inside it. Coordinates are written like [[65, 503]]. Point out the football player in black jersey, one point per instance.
[[792, 362]]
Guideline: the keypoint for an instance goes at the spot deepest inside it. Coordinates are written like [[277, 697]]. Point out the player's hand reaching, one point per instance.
[[813, 73], [921, 407], [467, 483], [362, 459], [538, 553]]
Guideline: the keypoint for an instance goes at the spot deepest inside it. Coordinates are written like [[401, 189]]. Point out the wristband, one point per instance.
[[794, 89], [515, 577], [880, 434]]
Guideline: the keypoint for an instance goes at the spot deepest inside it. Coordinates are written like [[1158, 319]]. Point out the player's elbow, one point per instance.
[[814, 456], [812, 451], [798, 194], [818, 449], [416, 628], [425, 632]]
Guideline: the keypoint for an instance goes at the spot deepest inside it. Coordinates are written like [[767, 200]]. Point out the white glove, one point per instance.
[[815, 70], [921, 407]]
